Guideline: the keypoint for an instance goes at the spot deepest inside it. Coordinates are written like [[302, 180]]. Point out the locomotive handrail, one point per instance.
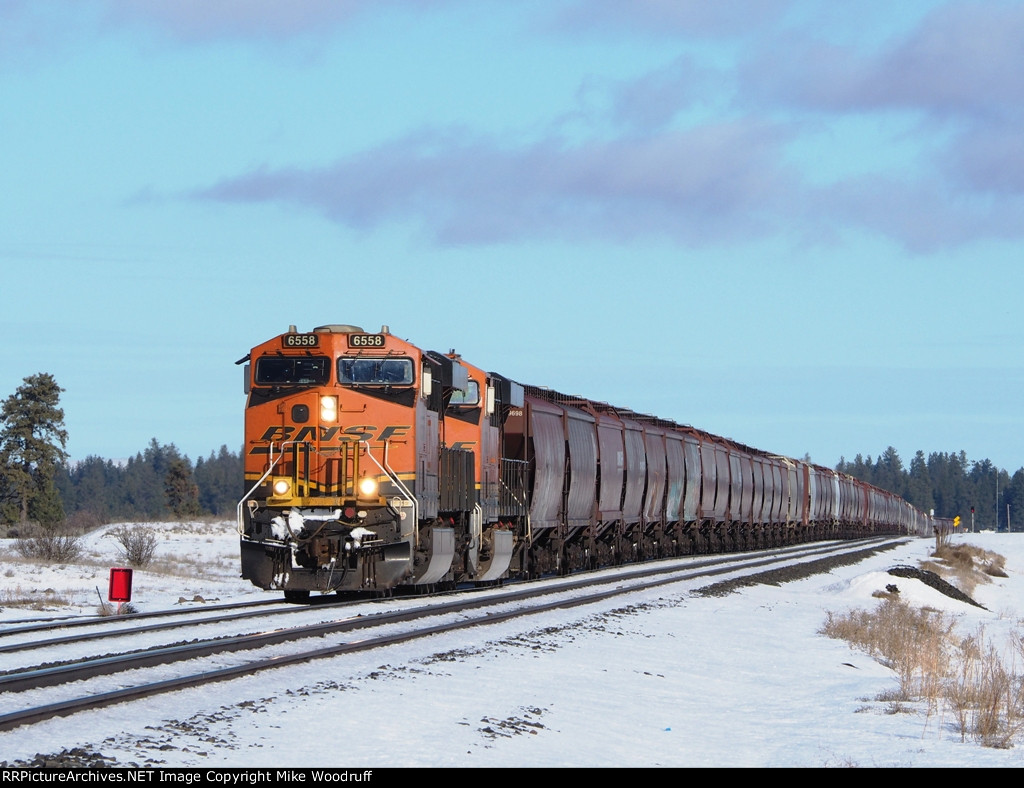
[[476, 527], [401, 487], [273, 464], [520, 501], [526, 510]]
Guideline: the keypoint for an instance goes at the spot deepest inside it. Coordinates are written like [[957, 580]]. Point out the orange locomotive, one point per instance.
[[362, 455]]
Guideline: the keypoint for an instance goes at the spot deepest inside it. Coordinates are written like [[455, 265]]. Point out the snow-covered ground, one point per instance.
[[667, 678], [192, 559]]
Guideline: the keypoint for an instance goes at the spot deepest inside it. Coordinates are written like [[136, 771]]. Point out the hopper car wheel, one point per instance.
[[296, 595]]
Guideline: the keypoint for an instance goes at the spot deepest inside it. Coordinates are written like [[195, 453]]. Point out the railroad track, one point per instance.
[[39, 692], [40, 636]]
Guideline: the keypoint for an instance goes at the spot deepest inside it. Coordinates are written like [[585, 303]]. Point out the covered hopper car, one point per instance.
[[372, 464]]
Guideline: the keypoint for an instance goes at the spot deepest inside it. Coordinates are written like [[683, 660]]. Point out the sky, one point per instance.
[[794, 224], [660, 678]]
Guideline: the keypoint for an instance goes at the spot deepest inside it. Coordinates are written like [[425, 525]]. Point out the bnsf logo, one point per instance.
[[361, 432]]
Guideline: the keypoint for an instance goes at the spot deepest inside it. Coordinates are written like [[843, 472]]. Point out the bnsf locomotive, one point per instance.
[[371, 464]]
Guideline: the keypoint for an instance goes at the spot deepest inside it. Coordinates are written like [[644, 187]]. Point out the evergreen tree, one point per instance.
[[181, 490], [948, 484], [983, 483], [220, 481], [1003, 479], [144, 481], [33, 443], [889, 473], [96, 486], [919, 484], [138, 489], [1013, 497]]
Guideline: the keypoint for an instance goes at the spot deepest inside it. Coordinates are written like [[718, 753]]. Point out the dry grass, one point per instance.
[[182, 566], [967, 678], [966, 566], [114, 609], [167, 563], [32, 599], [909, 641]]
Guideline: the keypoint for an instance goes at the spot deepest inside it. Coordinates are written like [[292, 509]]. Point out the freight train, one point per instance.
[[373, 465]]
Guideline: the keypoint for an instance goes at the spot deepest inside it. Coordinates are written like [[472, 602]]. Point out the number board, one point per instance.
[[366, 340], [301, 340]]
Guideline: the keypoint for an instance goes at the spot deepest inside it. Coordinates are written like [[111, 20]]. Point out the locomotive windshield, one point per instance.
[[375, 371], [292, 371], [470, 397]]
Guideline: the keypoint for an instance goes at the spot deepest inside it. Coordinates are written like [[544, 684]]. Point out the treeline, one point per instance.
[[949, 485], [156, 484], [160, 483], [40, 487]]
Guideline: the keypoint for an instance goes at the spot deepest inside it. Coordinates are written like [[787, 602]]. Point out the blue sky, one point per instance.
[[795, 224]]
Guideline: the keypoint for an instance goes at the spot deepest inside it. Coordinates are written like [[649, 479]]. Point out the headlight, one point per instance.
[[282, 487], [367, 487], [329, 408]]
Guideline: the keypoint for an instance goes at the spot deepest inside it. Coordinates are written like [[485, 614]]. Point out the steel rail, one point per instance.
[[81, 668], [626, 570], [130, 631], [127, 620], [161, 656]]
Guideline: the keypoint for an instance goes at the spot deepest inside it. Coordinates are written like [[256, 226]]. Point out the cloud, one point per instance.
[[716, 182], [654, 99], [31, 30], [671, 17], [198, 20], [958, 72], [955, 74], [924, 215], [988, 158], [963, 60], [27, 26]]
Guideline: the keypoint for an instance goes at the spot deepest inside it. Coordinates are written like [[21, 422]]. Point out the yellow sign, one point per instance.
[[956, 521]]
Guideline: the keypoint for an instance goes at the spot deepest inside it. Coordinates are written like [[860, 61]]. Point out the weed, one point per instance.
[[907, 640], [966, 677], [138, 544], [33, 600], [56, 546], [969, 565], [125, 609]]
